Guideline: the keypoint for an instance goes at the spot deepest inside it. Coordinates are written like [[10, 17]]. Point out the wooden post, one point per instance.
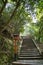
[[16, 38]]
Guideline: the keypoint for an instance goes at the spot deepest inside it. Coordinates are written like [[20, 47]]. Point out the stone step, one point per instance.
[[19, 63], [30, 58], [28, 44], [27, 51], [28, 47], [29, 54], [28, 62]]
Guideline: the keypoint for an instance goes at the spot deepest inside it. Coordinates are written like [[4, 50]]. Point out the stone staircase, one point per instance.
[[29, 50], [29, 54]]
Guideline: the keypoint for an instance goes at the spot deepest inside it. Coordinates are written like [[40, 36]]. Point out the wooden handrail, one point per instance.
[[37, 46]]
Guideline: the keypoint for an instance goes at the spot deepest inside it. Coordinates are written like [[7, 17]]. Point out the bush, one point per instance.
[[7, 57]]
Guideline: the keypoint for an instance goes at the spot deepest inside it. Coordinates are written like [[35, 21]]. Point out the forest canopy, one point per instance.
[[14, 17]]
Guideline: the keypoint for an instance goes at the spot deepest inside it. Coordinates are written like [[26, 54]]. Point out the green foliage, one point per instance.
[[16, 25], [6, 56]]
